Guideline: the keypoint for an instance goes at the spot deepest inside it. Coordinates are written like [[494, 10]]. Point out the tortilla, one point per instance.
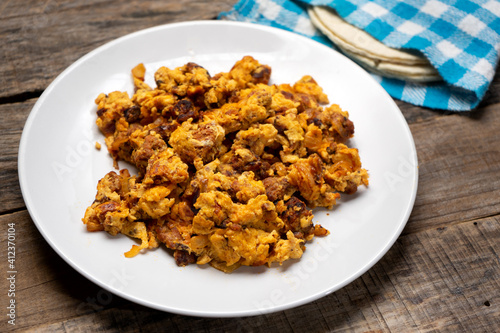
[[369, 52]]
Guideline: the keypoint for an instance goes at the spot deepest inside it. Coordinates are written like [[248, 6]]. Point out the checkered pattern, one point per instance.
[[461, 38]]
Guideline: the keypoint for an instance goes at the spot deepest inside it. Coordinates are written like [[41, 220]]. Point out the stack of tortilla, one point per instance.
[[369, 52]]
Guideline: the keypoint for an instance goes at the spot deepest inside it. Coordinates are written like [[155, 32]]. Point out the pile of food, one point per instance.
[[228, 166]]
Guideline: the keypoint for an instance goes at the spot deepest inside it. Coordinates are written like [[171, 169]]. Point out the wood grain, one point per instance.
[[41, 38], [459, 166], [12, 119], [441, 275]]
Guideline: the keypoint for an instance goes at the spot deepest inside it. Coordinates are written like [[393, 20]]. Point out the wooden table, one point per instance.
[[442, 274]]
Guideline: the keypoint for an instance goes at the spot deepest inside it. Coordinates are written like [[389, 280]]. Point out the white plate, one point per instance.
[[59, 169]]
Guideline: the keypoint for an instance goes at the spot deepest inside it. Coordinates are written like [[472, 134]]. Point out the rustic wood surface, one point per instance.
[[442, 274]]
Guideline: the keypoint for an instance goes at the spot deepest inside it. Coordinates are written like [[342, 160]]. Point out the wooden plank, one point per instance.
[[47, 288], [449, 277], [435, 280], [12, 119], [459, 166], [438, 279], [41, 38], [443, 273]]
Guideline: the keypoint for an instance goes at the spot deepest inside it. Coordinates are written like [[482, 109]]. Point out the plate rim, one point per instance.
[[35, 218]]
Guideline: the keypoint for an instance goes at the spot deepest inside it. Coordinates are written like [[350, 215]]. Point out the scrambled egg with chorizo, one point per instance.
[[228, 166]]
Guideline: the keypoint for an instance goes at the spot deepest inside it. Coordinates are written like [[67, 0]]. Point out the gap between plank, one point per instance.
[[22, 97], [12, 211]]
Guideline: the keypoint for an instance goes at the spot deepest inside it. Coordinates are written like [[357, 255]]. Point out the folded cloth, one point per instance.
[[461, 39]]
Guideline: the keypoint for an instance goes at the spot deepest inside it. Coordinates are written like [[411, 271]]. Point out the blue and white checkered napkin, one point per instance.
[[461, 38]]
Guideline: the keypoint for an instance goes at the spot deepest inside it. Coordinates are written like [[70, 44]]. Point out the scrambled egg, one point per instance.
[[228, 166]]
